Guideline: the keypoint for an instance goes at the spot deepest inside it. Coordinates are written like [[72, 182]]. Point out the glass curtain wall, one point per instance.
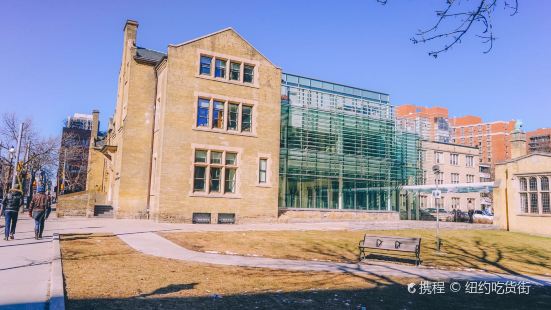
[[340, 148]]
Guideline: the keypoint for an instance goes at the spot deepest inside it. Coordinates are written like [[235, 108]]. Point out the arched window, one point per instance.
[[544, 183], [523, 186], [533, 184]]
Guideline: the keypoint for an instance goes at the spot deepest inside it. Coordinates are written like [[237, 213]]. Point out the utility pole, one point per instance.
[[14, 176], [437, 195]]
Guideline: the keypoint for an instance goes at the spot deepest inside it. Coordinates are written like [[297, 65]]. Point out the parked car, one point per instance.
[[458, 216], [483, 217]]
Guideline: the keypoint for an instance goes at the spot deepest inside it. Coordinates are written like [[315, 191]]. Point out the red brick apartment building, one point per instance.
[[492, 138], [539, 140]]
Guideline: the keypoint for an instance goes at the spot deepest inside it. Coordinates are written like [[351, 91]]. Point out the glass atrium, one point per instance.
[[340, 148]]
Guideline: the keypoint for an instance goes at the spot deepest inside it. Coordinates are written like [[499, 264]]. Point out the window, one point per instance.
[[220, 68], [424, 181], [470, 178], [454, 159], [213, 167], [237, 114], [533, 184], [544, 183], [233, 116], [262, 170], [455, 178], [248, 74], [218, 115], [246, 118], [470, 160], [545, 203], [534, 203], [439, 157], [440, 178], [206, 62], [523, 186], [235, 69], [455, 202], [203, 112], [524, 203]]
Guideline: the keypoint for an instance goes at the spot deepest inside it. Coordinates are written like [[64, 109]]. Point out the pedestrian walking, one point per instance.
[[39, 211], [11, 205]]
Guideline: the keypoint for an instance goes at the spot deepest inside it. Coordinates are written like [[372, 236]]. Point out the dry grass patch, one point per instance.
[[102, 272], [495, 251]]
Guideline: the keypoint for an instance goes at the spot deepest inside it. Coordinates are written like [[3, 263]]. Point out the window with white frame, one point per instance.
[[205, 65], [440, 178], [454, 159], [263, 171], [455, 202], [470, 178], [214, 171], [439, 157], [469, 160], [455, 178], [211, 114], [534, 194]]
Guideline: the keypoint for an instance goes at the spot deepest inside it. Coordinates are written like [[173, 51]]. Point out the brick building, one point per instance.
[[539, 140], [431, 123], [492, 138]]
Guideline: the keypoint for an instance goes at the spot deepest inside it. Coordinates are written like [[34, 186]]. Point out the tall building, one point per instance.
[[73, 154], [491, 138], [431, 123], [212, 131], [539, 140]]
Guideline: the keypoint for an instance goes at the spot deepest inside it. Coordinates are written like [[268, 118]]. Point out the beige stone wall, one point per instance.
[[507, 196], [75, 204], [132, 133], [447, 168], [178, 135]]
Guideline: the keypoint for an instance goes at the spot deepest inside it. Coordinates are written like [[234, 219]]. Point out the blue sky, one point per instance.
[[61, 57]]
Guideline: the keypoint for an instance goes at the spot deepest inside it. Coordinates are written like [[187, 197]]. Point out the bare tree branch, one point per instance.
[[458, 19]]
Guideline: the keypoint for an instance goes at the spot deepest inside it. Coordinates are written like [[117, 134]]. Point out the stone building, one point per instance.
[[210, 130], [195, 133], [459, 166], [522, 190]]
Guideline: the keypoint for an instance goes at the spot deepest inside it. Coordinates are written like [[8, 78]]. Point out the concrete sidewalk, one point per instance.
[[25, 267], [153, 244]]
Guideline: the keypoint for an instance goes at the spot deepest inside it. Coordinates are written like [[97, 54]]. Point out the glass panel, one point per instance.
[[235, 69], [215, 179], [215, 157], [544, 183], [533, 184], [229, 186], [524, 203], [246, 118], [231, 158], [545, 203], [200, 156], [199, 179], [233, 114], [248, 74], [206, 62], [523, 185], [203, 112], [218, 115], [534, 203], [262, 171], [220, 68]]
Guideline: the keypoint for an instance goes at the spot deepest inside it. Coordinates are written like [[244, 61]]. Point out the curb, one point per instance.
[[57, 293]]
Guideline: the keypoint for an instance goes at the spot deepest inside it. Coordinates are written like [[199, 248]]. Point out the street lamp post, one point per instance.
[[436, 171]]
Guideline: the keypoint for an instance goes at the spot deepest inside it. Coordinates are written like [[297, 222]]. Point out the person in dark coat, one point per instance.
[[12, 203], [39, 211]]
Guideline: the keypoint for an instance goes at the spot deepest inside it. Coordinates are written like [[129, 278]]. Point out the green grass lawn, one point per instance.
[[495, 251]]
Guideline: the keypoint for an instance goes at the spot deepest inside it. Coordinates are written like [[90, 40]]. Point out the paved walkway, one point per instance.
[[25, 263], [153, 244]]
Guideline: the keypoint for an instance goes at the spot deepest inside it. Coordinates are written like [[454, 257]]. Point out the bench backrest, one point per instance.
[[392, 243]]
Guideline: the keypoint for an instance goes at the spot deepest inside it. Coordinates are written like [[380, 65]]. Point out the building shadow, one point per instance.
[[383, 297]]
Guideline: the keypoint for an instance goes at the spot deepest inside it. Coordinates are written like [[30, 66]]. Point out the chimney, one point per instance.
[[130, 31], [95, 126], [518, 143]]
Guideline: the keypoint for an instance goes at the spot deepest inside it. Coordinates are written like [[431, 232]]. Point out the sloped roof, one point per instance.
[[220, 31], [523, 157], [149, 56]]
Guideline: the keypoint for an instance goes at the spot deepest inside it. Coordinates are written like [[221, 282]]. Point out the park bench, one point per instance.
[[388, 243]]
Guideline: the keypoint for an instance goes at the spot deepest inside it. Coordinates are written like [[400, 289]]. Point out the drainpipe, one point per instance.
[[507, 198]]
